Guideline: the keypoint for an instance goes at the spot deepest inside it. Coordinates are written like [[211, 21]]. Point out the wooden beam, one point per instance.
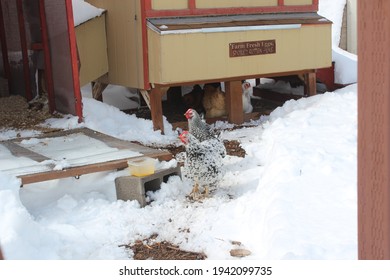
[[4, 52], [87, 169], [310, 83], [145, 95], [373, 130], [97, 90], [23, 43], [156, 109], [233, 101], [238, 78]]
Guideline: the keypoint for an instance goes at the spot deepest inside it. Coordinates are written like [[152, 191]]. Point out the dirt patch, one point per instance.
[[233, 148], [17, 113], [150, 249]]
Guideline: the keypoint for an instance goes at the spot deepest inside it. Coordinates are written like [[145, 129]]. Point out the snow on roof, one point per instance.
[[83, 11]]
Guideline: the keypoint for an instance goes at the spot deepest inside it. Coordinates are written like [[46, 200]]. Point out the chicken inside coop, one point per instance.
[[211, 100]]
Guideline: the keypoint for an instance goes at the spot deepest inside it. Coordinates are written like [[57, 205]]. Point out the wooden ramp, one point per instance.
[[55, 156]]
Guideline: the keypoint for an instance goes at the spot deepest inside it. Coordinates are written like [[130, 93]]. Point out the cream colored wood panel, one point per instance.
[[169, 4], [92, 48], [207, 4], [297, 2], [124, 41], [204, 56]]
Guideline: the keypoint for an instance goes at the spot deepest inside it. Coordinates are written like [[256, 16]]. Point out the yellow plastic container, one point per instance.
[[141, 167]]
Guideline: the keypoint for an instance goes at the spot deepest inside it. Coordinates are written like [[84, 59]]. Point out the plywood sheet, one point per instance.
[[69, 153]]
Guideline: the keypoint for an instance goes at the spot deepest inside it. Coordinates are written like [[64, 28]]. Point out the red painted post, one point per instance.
[[74, 57], [145, 45], [374, 130]]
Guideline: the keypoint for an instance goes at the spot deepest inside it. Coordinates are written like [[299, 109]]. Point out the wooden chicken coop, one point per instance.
[[153, 44]]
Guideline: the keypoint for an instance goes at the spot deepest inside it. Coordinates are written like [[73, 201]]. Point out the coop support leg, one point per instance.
[[98, 86], [234, 104], [310, 83], [146, 96], [156, 109]]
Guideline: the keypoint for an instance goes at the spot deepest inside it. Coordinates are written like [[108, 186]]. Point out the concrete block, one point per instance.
[[135, 188]]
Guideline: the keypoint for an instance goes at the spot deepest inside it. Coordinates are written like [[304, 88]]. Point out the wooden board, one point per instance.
[[114, 164], [195, 23]]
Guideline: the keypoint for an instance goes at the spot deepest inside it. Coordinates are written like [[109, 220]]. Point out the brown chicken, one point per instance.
[[214, 100]]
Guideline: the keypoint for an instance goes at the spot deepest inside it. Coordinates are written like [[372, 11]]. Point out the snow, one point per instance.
[[345, 62], [292, 197], [83, 11], [333, 10]]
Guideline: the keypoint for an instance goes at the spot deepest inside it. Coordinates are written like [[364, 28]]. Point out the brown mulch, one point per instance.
[[149, 249], [233, 148], [16, 112]]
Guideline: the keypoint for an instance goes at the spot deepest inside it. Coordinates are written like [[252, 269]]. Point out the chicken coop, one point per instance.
[[39, 35], [154, 44]]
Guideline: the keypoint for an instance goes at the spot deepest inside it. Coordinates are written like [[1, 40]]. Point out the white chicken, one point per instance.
[[203, 163], [247, 91]]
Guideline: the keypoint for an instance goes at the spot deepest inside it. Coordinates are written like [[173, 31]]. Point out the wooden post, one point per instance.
[[310, 83], [374, 130], [23, 42], [156, 109], [233, 100], [97, 89], [1, 255], [4, 53]]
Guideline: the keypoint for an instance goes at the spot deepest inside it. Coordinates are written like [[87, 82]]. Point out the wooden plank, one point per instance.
[[238, 78], [373, 130], [233, 101], [87, 169], [97, 90], [117, 143], [145, 95], [156, 109], [310, 83], [19, 151], [107, 139]]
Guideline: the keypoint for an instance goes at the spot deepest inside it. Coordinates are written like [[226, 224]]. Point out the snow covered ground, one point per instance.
[[292, 197]]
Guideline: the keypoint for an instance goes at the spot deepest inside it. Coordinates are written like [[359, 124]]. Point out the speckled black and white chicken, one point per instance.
[[197, 127], [203, 163]]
